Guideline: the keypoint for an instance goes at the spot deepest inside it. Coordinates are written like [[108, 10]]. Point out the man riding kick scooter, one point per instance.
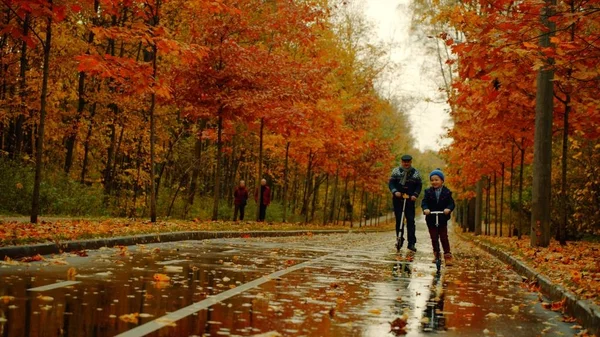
[[405, 184]]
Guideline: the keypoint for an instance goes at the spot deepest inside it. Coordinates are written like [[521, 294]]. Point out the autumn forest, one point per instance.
[[98, 97]]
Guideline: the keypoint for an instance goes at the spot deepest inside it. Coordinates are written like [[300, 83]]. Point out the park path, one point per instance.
[[332, 285]]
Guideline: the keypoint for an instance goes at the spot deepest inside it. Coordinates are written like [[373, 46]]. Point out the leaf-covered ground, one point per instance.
[[22, 233], [575, 266]]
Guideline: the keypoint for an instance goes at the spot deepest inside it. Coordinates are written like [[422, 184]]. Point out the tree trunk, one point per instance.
[[345, 200], [510, 192], [334, 196], [195, 171], [153, 184], [86, 145], [181, 183], [285, 180], [353, 203], [315, 198], [72, 138], [19, 132], [495, 205], [541, 190], [465, 216], [487, 206], [520, 205], [217, 180], [502, 200], [35, 201], [305, 197], [562, 224], [260, 163], [326, 198], [478, 206], [110, 155]]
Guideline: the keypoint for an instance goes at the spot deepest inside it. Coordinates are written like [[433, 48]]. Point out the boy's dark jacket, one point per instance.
[[431, 203], [413, 182]]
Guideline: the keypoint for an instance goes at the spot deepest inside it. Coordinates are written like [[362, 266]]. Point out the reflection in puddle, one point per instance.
[[433, 315]]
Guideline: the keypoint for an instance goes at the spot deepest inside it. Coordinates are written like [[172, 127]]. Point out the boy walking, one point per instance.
[[405, 180], [438, 198]]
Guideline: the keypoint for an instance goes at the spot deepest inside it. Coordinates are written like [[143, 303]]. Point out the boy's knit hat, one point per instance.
[[437, 172]]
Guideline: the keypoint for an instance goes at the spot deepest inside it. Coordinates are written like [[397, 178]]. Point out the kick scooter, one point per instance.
[[400, 239], [438, 258]]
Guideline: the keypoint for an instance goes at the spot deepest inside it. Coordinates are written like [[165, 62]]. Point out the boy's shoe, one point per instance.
[[448, 259], [412, 247], [435, 257]]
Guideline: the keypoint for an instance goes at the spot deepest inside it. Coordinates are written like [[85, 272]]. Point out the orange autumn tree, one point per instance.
[[494, 90]]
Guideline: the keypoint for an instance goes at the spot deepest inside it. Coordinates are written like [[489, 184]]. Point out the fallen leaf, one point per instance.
[[6, 298], [130, 318], [398, 326], [173, 269], [161, 278], [45, 298], [492, 315], [37, 257], [375, 311], [71, 273]]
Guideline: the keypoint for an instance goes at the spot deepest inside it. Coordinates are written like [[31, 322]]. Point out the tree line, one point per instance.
[[160, 107], [521, 79]]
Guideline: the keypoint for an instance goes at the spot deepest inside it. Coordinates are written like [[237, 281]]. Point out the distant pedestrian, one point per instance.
[[262, 197], [438, 198], [240, 200], [405, 184]]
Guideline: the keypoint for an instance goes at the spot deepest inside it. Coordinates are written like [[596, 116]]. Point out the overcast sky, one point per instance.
[[418, 70]]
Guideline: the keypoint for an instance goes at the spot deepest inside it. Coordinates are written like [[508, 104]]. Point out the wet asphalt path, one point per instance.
[[334, 285]]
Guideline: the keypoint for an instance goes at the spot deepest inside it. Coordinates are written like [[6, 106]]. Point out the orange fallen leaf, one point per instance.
[[6, 298], [398, 326], [161, 278], [37, 257], [71, 274], [130, 318], [558, 305], [45, 298]]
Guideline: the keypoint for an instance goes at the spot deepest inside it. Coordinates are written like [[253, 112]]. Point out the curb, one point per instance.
[[586, 312], [53, 248]]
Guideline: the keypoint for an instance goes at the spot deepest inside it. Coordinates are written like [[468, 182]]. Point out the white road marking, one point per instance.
[[54, 286], [171, 262]]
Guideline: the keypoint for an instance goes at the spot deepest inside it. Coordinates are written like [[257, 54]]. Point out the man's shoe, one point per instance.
[[448, 259], [412, 247], [435, 257]]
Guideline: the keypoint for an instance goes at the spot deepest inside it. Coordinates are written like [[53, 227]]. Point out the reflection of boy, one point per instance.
[[438, 198]]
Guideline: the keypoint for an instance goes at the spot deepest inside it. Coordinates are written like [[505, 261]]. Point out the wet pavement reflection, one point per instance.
[[334, 285]]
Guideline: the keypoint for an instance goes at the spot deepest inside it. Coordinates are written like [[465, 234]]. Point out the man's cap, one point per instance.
[[406, 157]]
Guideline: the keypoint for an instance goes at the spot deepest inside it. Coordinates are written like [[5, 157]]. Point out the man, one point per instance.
[[263, 199], [406, 181]]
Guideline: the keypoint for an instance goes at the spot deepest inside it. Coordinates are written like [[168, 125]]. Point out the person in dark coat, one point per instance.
[[405, 181], [438, 198], [240, 199], [262, 197]]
